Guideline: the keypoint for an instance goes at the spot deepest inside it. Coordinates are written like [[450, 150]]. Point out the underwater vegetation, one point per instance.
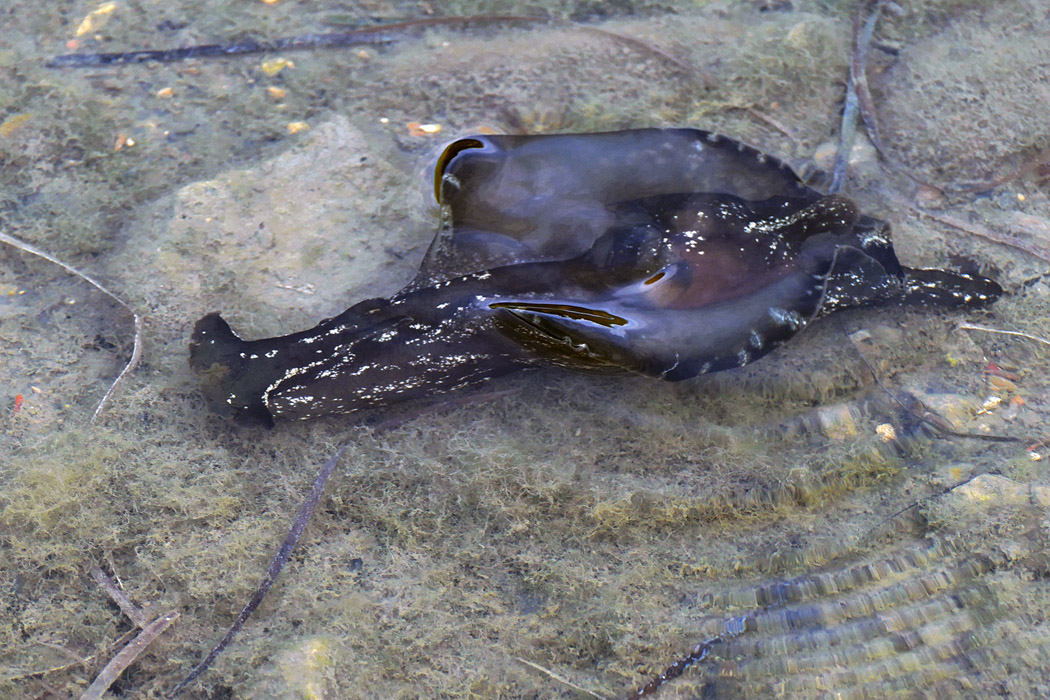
[[667, 252], [590, 529]]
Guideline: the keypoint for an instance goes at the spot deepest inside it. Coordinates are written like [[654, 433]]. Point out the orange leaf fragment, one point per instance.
[[417, 129]]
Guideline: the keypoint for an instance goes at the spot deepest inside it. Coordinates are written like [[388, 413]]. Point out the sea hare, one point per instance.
[[668, 252]]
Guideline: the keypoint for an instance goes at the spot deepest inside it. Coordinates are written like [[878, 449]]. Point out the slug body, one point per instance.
[[668, 252]]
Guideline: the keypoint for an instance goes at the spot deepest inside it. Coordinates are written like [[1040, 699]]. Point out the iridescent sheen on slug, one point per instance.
[[668, 252]]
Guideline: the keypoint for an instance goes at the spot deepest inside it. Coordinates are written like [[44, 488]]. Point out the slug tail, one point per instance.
[[940, 288], [231, 382]]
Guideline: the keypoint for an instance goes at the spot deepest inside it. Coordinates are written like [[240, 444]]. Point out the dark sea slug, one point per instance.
[[668, 252]]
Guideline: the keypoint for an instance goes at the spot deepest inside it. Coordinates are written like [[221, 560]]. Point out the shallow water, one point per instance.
[[595, 527]]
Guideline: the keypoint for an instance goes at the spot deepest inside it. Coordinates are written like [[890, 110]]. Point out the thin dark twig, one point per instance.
[[731, 629], [987, 329], [384, 34], [698, 654], [860, 102], [858, 72], [857, 94], [136, 352], [645, 47], [1033, 165], [236, 48], [916, 504], [776, 124], [276, 564], [990, 234], [302, 518], [936, 494], [377, 35]]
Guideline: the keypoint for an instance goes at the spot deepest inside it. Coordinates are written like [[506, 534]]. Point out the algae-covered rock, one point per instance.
[[294, 237], [303, 670]]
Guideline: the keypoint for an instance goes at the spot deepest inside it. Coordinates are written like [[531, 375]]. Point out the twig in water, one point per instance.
[[1034, 165], [127, 656], [384, 34], [767, 119], [915, 504], [78, 660], [276, 564], [560, 679], [925, 416], [233, 48], [377, 35], [860, 102], [700, 652], [136, 351], [858, 73], [987, 329], [24, 674], [119, 597], [643, 46], [302, 517], [990, 234], [858, 98]]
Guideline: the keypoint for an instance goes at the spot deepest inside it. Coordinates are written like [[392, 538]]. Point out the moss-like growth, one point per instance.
[[598, 527]]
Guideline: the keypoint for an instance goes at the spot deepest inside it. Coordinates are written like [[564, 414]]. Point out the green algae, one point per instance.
[[571, 524]]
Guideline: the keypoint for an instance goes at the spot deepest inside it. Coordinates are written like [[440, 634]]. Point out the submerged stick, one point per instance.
[[926, 417], [370, 36], [383, 34], [990, 234], [700, 652], [136, 352], [302, 518], [988, 329], [858, 73], [859, 102], [78, 661], [235, 48], [645, 47], [858, 98], [276, 564], [119, 597], [561, 679], [127, 656], [1035, 165]]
